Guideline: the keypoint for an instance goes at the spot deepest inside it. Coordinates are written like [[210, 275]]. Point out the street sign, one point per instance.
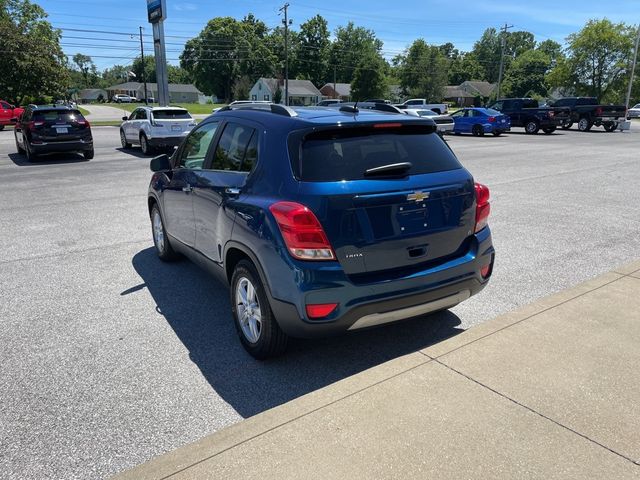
[[156, 10]]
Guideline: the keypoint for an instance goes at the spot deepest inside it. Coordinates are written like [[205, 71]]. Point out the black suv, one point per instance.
[[42, 130]]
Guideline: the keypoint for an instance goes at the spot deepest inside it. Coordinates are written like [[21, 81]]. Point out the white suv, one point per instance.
[[155, 127], [119, 98]]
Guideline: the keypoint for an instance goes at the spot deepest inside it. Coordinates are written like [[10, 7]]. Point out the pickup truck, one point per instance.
[[7, 113], [587, 112], [439, 108], [524, 112]]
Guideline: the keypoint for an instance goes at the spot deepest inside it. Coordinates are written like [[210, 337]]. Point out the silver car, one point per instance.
[[634, 112], [444, 122]]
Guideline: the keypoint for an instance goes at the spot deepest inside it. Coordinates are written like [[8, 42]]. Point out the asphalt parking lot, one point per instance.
[[110, 357]]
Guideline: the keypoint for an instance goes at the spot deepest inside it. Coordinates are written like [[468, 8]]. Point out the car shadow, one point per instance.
[[196, 306], [136, 152], [54, 159]]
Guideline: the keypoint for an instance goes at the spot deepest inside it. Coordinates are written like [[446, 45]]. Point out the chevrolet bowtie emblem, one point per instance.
[[418, 196]]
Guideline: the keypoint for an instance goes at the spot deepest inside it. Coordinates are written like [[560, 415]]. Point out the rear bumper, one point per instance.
[[366, 305], [166, 141], [61, 147]]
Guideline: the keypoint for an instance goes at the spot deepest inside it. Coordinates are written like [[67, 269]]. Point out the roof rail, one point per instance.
[[273, 108]]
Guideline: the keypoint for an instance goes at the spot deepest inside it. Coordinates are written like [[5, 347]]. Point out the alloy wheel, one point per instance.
[[248, 310], [158, 231]]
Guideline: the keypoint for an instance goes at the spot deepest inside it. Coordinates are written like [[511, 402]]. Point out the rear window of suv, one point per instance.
[[171, 114], [346, 154], [57, 116]]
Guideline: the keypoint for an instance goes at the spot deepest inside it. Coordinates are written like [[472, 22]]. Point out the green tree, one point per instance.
[[177, 74], [598, 59], [526, 76], [423, 71], [87, 69], [274, 41], [350, 45], [369, 79], [33, 64], [464, 67], [313, 50], [114, 75], [225, 50], [148, 69], [488, 48]]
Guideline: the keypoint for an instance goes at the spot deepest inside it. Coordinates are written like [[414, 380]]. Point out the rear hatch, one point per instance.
[[390, 197], [52, 126], [171, 122]]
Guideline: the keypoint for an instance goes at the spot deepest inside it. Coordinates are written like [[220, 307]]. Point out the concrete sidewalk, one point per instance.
[[551, 390]]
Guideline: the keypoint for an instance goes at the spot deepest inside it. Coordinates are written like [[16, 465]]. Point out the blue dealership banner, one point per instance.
[[156, 10]]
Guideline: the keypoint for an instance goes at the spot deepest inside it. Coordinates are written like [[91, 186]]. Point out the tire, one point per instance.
[[31, 157], [88, 154], [123, 140], [584, 125], [1, 127], [567, 125], [477, 131], [610, 126], [549, 130], [160, 239], [532, 127], [259, 334], [496, 133], [144, 145]]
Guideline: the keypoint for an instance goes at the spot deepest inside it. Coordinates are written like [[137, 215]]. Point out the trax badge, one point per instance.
[[418, 196]]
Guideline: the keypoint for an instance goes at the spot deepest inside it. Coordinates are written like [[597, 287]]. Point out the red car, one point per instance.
[[8, 112]]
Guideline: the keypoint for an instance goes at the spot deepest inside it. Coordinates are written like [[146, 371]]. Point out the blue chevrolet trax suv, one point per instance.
[[322, 220]]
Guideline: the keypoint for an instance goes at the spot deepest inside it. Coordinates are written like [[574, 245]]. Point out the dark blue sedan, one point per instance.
[[479, 121]]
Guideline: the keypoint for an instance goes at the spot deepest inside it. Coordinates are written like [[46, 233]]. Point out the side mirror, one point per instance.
[[160, 163], [125, 118]]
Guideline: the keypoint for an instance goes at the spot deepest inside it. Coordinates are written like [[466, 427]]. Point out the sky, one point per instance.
[[103, 29]]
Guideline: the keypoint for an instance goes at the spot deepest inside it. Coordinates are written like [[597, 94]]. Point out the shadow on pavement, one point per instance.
[[197, 307], [54, 159]]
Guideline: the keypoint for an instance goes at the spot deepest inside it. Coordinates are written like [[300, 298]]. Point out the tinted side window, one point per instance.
[[142, 115], [5, 105], [587, 101], [529, 103], [251, 156], [196, 146], [232, 147], [507, 105]]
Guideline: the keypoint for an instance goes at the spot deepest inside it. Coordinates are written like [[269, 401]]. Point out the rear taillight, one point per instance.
[[302, 232], [84, 123], [483, 208], [491, 119], [320, 310], [599, 111], [34, 125], [551, 114]]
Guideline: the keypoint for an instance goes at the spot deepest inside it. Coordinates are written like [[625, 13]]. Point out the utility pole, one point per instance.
[[504, 42], [144, 78], [633, 68], [335, 94], [286, 22]]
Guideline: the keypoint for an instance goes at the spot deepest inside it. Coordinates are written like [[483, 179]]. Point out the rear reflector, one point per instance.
[[483, 208], [320, 310], [387, 125], [484, 271], [302, 232]]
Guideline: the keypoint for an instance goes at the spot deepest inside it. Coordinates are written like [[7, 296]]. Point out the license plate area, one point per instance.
[[176, 128]]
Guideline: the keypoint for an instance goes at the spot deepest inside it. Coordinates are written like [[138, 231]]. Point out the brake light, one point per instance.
[[83, 122], [483, 208], [320, 310], [302, 232], [599, 111], [491, 119], [387, 125], [551, 113], [33, 125]]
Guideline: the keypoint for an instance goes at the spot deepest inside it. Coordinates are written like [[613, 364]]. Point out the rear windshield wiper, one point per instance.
[[392, 169]]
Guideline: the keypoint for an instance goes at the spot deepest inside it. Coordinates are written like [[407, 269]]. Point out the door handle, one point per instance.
[[232, 191], [187, 188]]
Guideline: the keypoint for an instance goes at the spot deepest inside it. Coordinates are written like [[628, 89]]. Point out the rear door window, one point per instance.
[[233, 147], [171, 115], [337, 155]]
